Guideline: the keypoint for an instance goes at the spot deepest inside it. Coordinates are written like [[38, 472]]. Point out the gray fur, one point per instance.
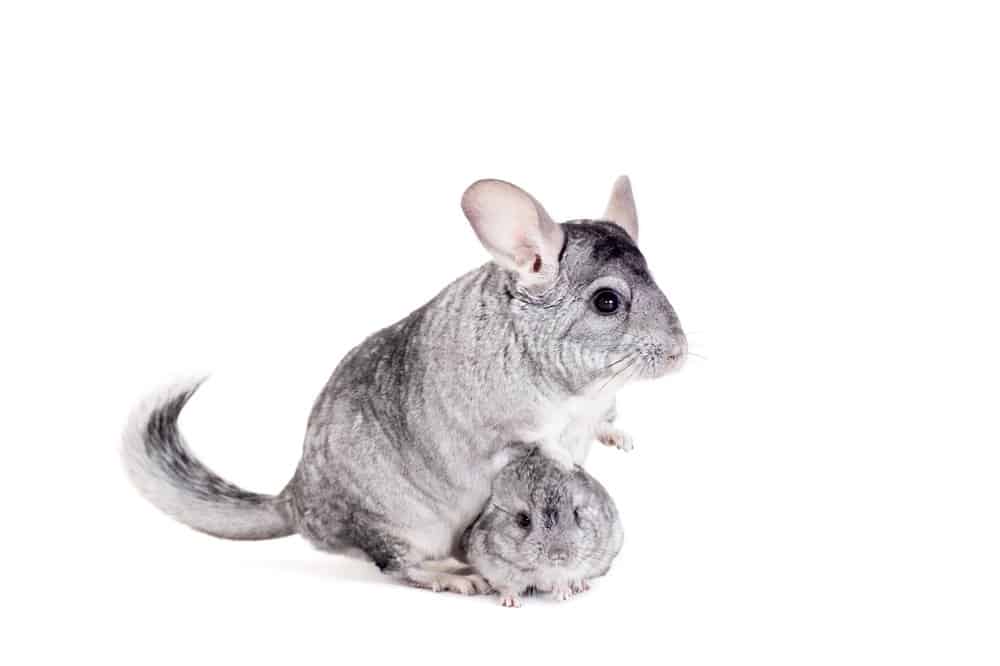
[[165, 472], [406, 438], [571, 535]]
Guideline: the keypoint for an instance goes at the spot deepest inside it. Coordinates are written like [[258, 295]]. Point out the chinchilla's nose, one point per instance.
[[671, 343], [558, 554], [676, 347]]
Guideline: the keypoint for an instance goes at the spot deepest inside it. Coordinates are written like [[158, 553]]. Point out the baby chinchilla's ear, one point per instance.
[[621, 208], [515, 229]]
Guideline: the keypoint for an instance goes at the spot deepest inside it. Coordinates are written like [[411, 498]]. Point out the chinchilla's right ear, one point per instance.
[[515, 229]]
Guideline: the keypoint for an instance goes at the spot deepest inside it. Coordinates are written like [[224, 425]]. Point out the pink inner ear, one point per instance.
[[537, 266]]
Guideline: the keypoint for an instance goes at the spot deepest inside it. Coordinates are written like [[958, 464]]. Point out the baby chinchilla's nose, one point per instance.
[[558, 554]]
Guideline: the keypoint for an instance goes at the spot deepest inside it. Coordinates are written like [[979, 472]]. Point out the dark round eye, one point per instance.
[[606, 301], [577, 517], [523, 520]]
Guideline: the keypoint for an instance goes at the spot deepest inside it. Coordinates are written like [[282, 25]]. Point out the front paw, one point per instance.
[[616, 438], [579, 586]]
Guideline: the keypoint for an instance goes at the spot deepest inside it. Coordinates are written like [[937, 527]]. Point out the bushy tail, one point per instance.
[[166, 473]]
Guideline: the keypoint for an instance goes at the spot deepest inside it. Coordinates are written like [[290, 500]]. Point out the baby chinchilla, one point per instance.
[[404, 442], [544, 527]]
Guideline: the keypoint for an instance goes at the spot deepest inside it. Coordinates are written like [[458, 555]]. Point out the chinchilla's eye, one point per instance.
[[523, 520], [606, 301], [577, 517]]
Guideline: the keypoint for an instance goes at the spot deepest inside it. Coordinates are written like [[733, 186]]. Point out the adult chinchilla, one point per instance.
[[403, 443], [544, 528]]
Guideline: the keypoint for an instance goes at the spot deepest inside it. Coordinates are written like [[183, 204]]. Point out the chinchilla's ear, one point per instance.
[[515, 229], [621, 208]]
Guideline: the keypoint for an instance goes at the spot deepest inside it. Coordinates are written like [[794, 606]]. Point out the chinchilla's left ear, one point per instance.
[[515, 229], [621, 208]]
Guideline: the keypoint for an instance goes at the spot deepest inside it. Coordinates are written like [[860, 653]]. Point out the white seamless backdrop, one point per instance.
[[249, 189]]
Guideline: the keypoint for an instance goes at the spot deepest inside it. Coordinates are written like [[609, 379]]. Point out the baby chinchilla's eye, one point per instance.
[[606, 301], [523, 520], [577, 517]]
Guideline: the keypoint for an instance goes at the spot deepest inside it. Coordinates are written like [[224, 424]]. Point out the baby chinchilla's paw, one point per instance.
[[579, 586], [562, 592], [510, 600], [614, 437]]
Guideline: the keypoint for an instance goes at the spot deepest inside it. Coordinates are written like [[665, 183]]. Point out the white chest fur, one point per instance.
[[566, 429]]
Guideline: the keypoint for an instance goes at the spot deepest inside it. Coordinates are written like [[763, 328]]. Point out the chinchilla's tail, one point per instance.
[[167, 474]]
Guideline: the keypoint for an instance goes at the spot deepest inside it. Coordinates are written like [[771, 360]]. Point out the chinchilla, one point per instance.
[[544, 528], [403, 443]]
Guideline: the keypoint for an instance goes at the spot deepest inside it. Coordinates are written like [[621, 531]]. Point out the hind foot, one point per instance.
[[441, 581]]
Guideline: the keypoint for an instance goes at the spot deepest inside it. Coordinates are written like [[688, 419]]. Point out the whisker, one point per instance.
[[611, 365], [635, 357]]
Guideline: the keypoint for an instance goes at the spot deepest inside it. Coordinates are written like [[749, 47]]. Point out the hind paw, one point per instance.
[[443, 581], [460, 583]]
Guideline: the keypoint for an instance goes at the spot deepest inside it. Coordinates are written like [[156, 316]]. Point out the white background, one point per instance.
[[250, 189]]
